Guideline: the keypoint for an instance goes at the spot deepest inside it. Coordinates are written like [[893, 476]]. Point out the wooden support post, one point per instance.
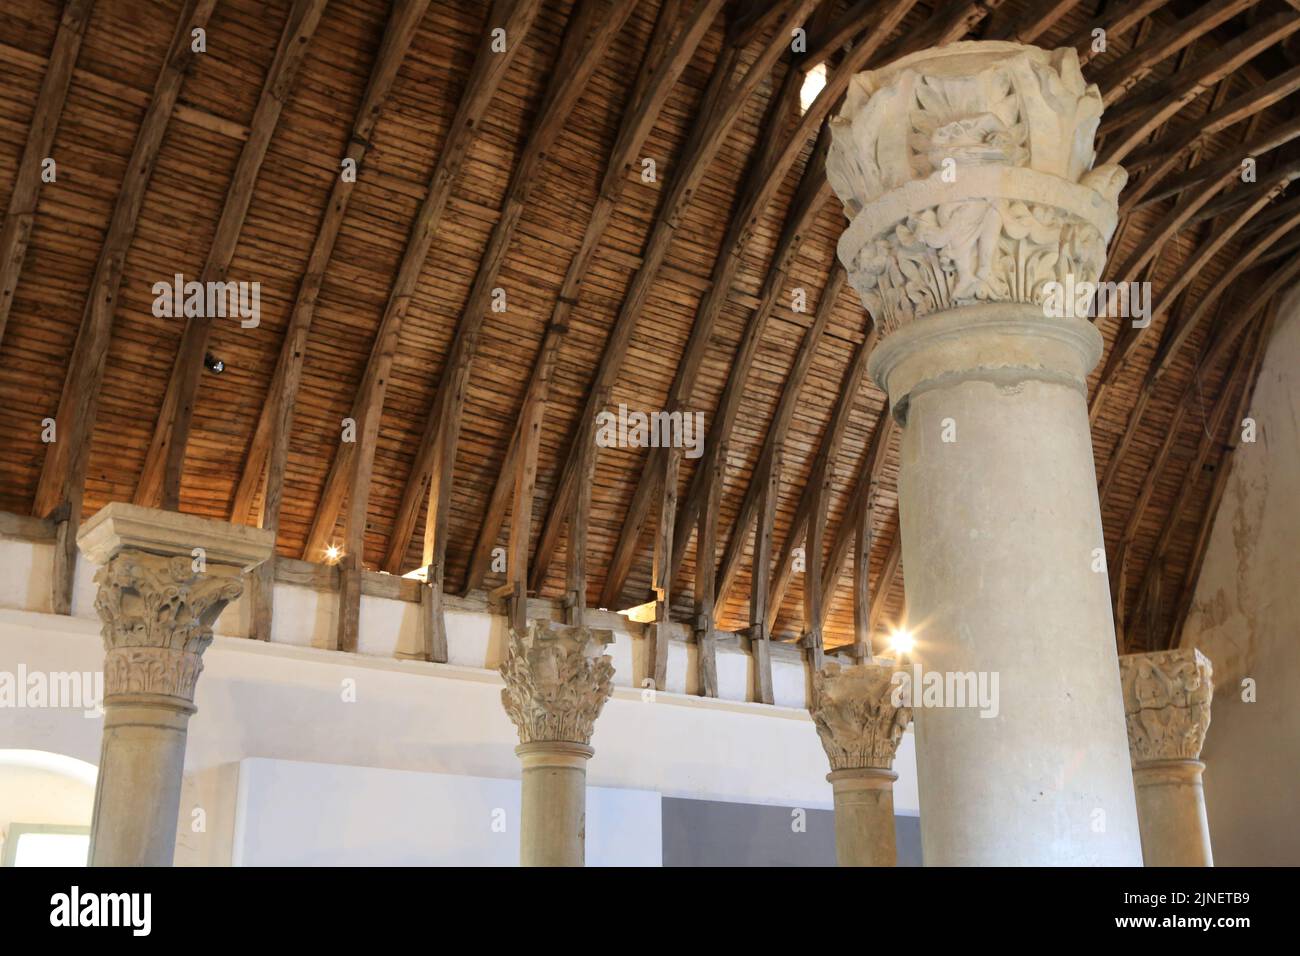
[[814, 611], [862, 579], [706, 549], [349, 622], [580, 520], [760, 581], [261, 596], [658, 633], [522, 514]]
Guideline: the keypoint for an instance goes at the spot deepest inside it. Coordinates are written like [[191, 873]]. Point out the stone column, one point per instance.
[[1167, 707], [557, 681], [975, 215], [163, 581], [860, 720]]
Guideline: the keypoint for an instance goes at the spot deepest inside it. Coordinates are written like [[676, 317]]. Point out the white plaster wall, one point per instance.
[[1246, 619], [287, 700]]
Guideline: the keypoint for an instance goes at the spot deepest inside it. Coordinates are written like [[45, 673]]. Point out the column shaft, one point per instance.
[[553, 813], [138, 792], [864, 817], [998, 530], [1171, 814]]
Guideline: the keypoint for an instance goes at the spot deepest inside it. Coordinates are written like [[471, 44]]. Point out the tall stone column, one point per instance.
[[557, 681], [966, 174], [1167, 706], [163, 581], [860, 727]]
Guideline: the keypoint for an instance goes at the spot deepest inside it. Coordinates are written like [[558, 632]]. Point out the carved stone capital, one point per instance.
[[966, 173], [1166, 703], [157, 615], [557, 681], [856, 716]]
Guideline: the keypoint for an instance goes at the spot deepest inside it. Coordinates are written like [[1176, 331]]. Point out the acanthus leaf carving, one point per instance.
[[856, 715], [157, 614], [556, 685]]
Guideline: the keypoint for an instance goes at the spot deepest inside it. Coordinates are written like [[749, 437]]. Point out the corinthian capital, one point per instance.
[[966, 172], [856, 716], [1166, 703], [157, 614], [557, 681]]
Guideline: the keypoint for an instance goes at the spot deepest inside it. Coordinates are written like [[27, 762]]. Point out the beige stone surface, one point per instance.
[[119, 525], [557, 682], [966, 172], [860, 719], [1167, 698], [157, 601]]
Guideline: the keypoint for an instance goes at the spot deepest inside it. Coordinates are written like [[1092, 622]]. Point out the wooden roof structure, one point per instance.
[[474, 225]]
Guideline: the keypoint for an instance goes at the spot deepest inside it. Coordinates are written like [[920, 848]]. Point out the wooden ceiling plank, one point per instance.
[[1278, 136], [760, 634], [1243, 369], [827, 453], [1187, 592], [1116, 21], [1177, 335], [1128, 341], [160, 479], [760, 193], [1028, 25], [1168, 148], [1142, 112], [16, 232], [778, 428], [515, 17], [591, 28], [717, 116], [63, 475], [1132, 68], [753, 23], [655, 82], [267, 454]]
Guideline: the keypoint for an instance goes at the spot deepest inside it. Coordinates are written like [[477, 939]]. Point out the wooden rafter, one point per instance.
[[1278, 136], [1032, 24], [1130, 70], [814, 192], [1265, 299], [1128, 340], [592, 27], [1141, 113], [660, 70], [268, 451], [160, 480], [1117, 20], [63, 475], [1243, 369], [777, 429], [515, 17], [721, 109], [1176, 336], [19, 216]]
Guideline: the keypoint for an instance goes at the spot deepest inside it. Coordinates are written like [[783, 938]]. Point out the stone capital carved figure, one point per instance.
[[157, 614], [557, 681], [856, 717], [966, 172], [1166, 703]]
